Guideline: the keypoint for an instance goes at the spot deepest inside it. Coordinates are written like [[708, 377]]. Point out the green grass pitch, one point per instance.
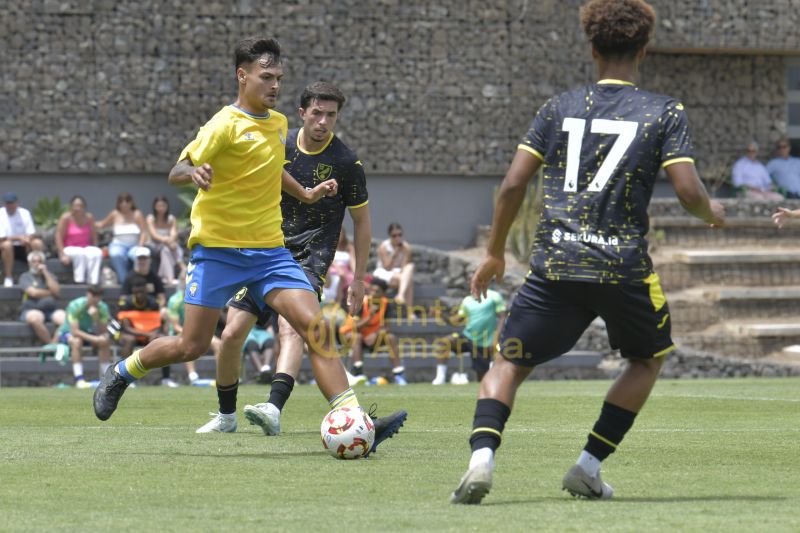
[[705, 455]]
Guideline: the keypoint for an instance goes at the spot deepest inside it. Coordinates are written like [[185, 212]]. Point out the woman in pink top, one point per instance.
[[76, 240]]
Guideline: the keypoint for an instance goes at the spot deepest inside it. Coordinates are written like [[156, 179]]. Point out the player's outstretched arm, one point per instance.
[[292, 187], [693, 196], [509, 199]]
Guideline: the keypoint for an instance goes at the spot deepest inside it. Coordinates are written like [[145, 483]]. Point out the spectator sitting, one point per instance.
[[260, 349], [139, 315], [752, 175], [340, 273], [129, 232], [370, 331], [17, 236], [483, 321], [395, 266], [86, 322], [40, 289], [162, 229], [154, 288], [785, 169], [76, 242]]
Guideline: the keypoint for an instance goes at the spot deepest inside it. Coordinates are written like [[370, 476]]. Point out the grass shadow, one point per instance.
[[636, 499]]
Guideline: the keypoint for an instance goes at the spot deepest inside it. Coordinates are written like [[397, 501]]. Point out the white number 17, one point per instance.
[[626, 131]]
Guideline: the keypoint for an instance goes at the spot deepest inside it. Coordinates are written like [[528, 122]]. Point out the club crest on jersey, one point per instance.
[[323, 171], [240, 294], [249, 136], [193, 289]]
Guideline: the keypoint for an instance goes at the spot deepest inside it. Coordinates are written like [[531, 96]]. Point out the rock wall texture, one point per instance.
[[448, 87]]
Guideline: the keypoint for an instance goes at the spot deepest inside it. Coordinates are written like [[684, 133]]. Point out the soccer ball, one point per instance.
[[347, 433]]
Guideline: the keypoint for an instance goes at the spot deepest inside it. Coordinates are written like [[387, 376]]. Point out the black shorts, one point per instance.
[[547, 318], [244, 300]]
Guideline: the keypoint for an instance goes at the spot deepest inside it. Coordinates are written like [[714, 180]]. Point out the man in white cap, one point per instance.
[[155, 289]]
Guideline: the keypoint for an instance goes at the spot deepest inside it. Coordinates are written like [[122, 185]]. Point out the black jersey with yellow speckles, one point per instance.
[[311, 231], [601, 146]]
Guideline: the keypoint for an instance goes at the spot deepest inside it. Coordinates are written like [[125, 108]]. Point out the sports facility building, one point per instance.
[[98, 96]]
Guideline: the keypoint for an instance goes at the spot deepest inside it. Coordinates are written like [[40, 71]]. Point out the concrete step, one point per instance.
[[28, 370], [63, 273], [683, 268], [698, 308], [688, 231], [751, 338], [11, 298]]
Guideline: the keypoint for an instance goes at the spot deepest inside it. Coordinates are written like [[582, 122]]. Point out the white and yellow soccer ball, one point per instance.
[[347, 433]]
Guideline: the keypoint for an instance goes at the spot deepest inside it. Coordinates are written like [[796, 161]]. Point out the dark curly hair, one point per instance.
[[618, 28]]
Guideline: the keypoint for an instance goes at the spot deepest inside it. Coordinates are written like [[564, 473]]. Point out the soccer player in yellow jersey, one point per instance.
[[600, 147], [236, 162]]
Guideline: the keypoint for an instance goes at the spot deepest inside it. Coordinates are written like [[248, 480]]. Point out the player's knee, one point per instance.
[[652, 364], [288, 334], [233, 335], [191, 349], [34, 316]]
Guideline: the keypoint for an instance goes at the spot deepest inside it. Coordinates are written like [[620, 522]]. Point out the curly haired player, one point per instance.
[[600, 147]]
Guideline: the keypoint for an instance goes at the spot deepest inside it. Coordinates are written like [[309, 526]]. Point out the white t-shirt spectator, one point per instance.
[[20, 223]]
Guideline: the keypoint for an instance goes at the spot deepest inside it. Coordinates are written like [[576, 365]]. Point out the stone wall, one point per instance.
[[98, 86]]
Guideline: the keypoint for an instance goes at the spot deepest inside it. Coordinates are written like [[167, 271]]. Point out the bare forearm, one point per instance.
[[181, 174], [509, 200], [52, 284], [290, 186], [362, 238], [690, 191]]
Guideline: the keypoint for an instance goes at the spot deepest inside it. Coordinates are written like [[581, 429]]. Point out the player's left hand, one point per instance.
[[355, 297], [490, 267]]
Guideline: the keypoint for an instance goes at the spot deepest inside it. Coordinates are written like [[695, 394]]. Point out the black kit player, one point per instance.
[[600, 147], [311, 231]]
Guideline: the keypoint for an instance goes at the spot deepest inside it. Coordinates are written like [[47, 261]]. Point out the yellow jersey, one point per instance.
[[243, 207]]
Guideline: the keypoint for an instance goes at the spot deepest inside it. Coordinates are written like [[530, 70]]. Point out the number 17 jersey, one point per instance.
[[601, 148]]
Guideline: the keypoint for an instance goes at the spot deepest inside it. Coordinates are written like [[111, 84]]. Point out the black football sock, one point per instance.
[[487, 426], [282, 385], [227, 398], [609, 430]]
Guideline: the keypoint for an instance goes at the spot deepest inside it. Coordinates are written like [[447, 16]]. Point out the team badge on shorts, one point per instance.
[[323, 171], [193, 289], [240, 294]]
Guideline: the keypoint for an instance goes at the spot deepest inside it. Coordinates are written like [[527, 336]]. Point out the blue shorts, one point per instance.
[[216, 274]]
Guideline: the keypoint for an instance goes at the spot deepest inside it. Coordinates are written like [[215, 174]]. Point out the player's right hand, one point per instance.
[[202, 176], [781, 217], [490, 267]]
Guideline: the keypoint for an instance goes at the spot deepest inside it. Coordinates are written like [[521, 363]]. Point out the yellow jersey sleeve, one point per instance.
[[212, 138]]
